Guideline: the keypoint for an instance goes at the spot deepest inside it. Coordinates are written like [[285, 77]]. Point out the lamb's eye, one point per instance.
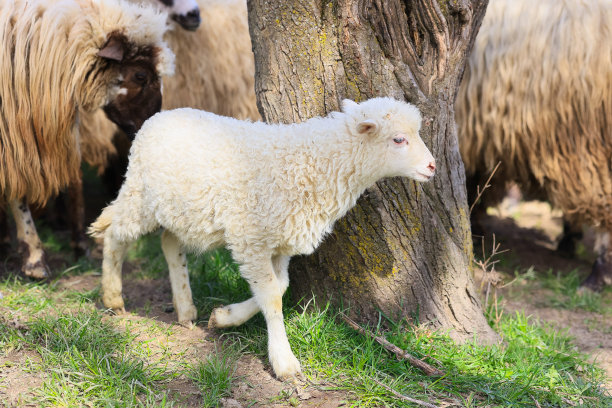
[[399, 140]]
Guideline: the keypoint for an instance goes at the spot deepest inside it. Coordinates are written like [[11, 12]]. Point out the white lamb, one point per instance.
[[266, 191]]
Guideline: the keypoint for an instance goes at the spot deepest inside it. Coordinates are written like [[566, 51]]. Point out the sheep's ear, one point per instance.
[[348, 105], [367, 127], [113, 49]]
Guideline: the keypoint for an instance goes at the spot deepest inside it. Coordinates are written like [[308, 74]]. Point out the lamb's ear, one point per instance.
[[367, 127], [113, 49], [348, 105]]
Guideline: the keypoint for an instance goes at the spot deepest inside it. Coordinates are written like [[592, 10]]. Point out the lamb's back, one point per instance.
[[197, 170]]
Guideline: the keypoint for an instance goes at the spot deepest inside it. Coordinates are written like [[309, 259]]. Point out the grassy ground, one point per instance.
[[58, 341]]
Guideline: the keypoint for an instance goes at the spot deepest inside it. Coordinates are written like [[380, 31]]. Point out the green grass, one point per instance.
[[536, 363], [558, 289], [215, 375], [84, 359], [567, 296], [87, 360]]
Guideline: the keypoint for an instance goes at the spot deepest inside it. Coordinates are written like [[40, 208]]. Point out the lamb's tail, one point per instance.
[[101, 224]]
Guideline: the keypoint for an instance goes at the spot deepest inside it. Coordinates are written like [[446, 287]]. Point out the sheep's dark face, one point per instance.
[[138, 97], [185, 12], [136, 94]]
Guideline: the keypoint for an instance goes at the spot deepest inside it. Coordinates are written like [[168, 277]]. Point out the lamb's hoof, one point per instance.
[[188, 324], [114, 303], [119, 311], [287, 368], [187, 317], [37, 270], [212, 320], [218, 318]]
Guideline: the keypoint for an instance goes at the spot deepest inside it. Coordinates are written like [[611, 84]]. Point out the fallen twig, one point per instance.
[[403, 397], [426, 368]]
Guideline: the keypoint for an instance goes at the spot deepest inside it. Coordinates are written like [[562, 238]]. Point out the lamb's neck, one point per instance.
[[343, 171]]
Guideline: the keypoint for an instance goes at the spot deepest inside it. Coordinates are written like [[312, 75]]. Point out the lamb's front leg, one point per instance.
[[238, 313], [33, 257], [179, 278], [268, 295]]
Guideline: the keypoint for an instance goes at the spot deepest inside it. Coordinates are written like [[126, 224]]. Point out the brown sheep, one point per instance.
[[215, 71], [58, 57], [537, 96]]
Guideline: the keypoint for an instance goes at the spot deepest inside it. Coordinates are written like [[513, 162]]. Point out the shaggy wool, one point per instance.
[[537, 96], [266, 191], [50, 70], [215, 71]]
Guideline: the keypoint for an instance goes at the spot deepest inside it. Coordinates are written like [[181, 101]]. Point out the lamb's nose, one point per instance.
[[432, 166]]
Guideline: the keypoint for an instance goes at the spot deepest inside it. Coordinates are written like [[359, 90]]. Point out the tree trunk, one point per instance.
[[406, 248]]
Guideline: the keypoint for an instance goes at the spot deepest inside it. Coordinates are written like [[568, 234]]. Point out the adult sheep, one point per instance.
[[537, 96], [268, 192], [215, 71], [58, 57]]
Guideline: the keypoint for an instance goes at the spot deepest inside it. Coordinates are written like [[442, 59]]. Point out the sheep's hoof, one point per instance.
[[600, 276], [37, 270], [212, 320], [187, 317], [188, 324], [286, 369], [115, 303]]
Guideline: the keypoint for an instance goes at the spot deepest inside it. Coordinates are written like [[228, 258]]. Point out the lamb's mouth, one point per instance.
[[425, 176]]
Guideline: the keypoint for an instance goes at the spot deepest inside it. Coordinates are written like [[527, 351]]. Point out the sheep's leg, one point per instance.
[[238, 313], [5, 236], [30, 247], [179, 278], [268, 295], [570, 236], [76, 217], [114, 253], [601, 274]]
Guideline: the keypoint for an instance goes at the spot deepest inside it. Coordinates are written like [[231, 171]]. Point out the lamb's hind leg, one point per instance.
[[33, 256], [238, 313], [114, 253], [179, 278]]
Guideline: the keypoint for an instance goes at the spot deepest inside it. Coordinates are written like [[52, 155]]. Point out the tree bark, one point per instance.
[[406, 248]]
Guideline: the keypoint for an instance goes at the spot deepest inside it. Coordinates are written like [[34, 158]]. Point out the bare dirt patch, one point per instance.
[[17, 379]]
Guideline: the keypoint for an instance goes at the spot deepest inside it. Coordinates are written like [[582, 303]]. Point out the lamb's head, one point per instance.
[[135, 93], [390, 134], [185, 12]]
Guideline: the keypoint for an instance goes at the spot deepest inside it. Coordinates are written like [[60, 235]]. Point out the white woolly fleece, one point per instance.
[[267, 191], [213, 180]]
